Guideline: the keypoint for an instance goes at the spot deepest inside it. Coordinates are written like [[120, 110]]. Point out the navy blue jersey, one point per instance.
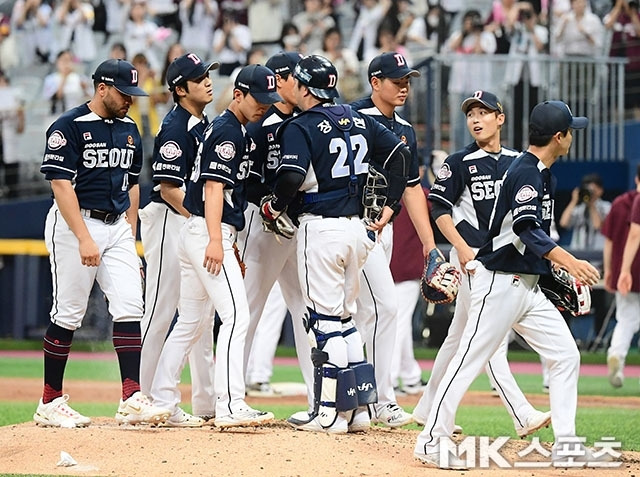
[[222, 157], [315, 145], [526, 198], [265, 158], [468, 183], [102, 156], [175, 148], [401, 128]]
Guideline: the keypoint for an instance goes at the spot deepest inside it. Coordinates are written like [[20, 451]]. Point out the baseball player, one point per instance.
[[269, 258], [326, 151], [93, 158], [505, 291], [462, 199], [209, 269], [377, 313], [174, 152], [621, 230]]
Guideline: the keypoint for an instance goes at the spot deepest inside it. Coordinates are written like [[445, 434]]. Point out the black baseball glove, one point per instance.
[[565, 292]]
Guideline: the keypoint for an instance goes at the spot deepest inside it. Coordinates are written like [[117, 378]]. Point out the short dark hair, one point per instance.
[[538, 140], [176, 97]]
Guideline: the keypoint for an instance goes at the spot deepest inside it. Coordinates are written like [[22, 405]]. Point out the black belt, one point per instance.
[[108, 218]]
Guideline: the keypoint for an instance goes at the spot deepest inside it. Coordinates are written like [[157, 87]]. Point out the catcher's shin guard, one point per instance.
[[366, 388]]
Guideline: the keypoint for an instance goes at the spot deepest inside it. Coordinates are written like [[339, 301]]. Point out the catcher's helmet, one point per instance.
[[319, 75]]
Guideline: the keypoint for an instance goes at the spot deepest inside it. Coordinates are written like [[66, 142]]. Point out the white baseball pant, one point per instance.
[[627, 324], [227, 294], [160, 233], [500, 301], [497, 368], [118, 273]]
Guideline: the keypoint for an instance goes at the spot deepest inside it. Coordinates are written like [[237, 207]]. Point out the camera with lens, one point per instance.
[[525, 15], [477, 25], [584, 194]]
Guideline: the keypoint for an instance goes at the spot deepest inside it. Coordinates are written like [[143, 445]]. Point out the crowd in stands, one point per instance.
[[61, 41]]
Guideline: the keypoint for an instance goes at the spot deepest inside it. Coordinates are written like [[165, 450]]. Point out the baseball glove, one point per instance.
[[565, 292], [440, 280], [274, 222]]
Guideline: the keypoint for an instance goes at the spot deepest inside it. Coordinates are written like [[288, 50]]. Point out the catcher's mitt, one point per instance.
[[440, 280], [565, 292], [277, 223]]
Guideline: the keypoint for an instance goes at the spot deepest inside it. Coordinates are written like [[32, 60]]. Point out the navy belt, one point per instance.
[[108, 218]]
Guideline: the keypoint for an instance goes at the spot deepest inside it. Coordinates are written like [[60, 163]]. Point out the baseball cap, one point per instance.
[[187, 67], [120, 74], [550, 117], [260, 82], [390, 65], [488, 100], [283, 62]]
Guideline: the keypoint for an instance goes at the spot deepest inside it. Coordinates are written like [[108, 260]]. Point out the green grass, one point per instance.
[[492, 421]]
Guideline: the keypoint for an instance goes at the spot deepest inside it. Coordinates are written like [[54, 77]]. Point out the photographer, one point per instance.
[[469, 72], [585, 214]]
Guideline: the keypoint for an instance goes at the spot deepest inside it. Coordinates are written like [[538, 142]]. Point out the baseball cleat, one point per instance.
[[58, 413], [537, 420], [261, 390], [416, 388], [137, 409], [616, 378], [183, 419], [243, 418], [360, 421], [433, 460], [302, 421], [392, 415]]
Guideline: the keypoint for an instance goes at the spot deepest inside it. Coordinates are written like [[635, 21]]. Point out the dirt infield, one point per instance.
[[274, 450]]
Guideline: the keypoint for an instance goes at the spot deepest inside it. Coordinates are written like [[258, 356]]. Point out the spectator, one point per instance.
[[118, 51], [140, 33], [32, 22], [530, 39], [502, 19], [231, 42], [9, 57], [75, 21], [165, 14], [265, 20], [256, 56], [346, 62], [624, 21], [425, 31], [365, 31], [290, 39], [580, 32], [11, 126], [144, 110], [116, 11], [585, 213], [387, 41], [621, 229], [175, 50], [312, 23], [467, 76], [65, 88], [198, 19]]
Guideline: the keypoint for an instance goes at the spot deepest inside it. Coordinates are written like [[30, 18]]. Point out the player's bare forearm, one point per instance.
[[630, 247], [213, 204], [448, 229], [416, 204], [132, 211], [174, 196], [606, 262], [580, 269], [69, 207]]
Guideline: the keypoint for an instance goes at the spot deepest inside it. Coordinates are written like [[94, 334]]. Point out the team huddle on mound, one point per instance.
[[286, 185]]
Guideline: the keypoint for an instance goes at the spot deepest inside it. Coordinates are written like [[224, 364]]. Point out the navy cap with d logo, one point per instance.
[[120, 74], [390, 65], [260, 82], [187, 67], [551, 117], [485, 98]]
